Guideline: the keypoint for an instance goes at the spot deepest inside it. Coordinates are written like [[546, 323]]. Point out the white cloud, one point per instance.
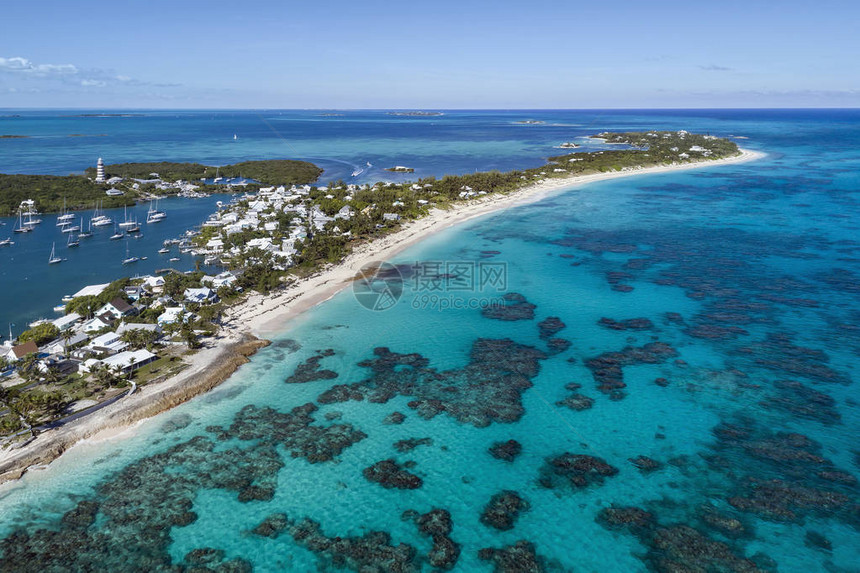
[[23, 65], [93, 83], [715, 68]]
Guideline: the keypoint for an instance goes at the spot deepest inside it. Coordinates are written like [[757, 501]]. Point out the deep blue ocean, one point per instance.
[[662, 379]]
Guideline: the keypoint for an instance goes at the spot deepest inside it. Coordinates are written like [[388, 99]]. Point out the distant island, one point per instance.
[[51, 192], [14, 136], [105, 115], [400, 169], [417, 113]]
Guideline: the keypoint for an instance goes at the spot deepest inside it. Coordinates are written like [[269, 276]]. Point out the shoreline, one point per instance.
[[245, 325]]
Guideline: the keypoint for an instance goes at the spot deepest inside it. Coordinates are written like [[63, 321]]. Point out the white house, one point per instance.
[[96, 323], [129, 360], [108, 342], [202, 295], [128, 326], [117, 308], [154, 284], [172, 314], [215, 245], [66, 322]]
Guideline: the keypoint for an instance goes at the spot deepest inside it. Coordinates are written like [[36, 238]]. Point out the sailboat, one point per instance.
[[128, 259], [64, 217], [69, 227], [31, 222], [126, 222], [22, 228], [100, 219], [235, 137], [54, 259], [7, 242], [154, 215], [72, 242], [88, 233], [116, 234]]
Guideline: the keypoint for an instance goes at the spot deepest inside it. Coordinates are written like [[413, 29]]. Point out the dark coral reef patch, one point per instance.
[[488, 389]]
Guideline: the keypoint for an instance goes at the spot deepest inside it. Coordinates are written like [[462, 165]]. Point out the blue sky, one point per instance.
[[442, 54]]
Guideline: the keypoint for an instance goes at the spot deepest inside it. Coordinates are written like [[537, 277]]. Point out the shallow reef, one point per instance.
[[309, 370], [607, 367], [503, 509], [488, 389], [575, 470]]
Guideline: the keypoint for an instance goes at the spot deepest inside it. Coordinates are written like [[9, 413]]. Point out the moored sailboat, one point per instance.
[[53, 258]]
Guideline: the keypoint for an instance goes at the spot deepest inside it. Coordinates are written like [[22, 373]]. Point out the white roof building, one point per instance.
[[91, 290], [129, 360], [66, 322]]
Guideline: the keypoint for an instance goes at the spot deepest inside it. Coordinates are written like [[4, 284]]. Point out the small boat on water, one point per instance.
[[22, 228], [72, 242], [173, 259], [64, 217], [54, 259], [129, 259], [6, 242], [116, 234], [163, 251], [61, 308], [70, 228], [154, 215], [88, 233], [100, 219], [31, 222]]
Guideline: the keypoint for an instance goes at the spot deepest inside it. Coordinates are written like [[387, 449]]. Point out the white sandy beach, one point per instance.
[[263, 315]]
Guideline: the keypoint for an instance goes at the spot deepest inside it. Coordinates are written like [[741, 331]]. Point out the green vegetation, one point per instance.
[[49, 192], [267, 172], [82, 192], [39, 334], [163, 169], [274, 171]]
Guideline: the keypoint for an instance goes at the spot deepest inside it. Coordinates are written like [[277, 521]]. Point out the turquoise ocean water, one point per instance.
[[726, 414]]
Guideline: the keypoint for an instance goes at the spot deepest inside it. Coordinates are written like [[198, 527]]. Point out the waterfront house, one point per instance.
[[226, 278], [154, 285], [66, 322], [134, 292], [91, 290]]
